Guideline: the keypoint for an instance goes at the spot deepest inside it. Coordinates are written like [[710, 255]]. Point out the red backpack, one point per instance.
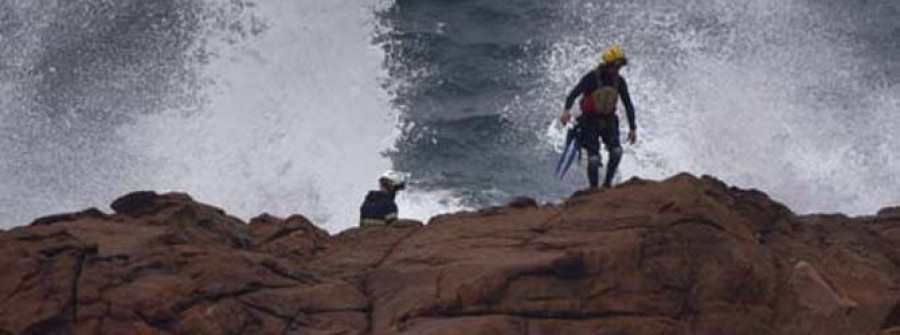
[[601, 101]]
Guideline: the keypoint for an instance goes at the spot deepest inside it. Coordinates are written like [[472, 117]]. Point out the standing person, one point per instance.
[[600, 90], [379, 208]]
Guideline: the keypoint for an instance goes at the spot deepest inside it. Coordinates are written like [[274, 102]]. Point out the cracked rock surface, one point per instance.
[[685, 255]]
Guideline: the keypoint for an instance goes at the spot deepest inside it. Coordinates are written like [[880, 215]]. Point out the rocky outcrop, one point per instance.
[[683, 256]]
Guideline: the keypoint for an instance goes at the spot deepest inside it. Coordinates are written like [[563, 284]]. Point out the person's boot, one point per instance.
[[593, 170], [615, 155]]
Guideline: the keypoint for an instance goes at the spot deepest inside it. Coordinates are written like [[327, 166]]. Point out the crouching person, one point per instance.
[[379, 208]]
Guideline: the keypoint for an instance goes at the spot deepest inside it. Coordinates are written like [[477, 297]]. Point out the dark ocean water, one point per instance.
[[462, 68], [287, 106]]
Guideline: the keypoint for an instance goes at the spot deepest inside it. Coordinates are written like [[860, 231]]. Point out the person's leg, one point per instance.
[[590, 141], [609, 131]]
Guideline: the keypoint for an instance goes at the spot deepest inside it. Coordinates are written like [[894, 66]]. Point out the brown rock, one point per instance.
[[294, 236], [816, 293], [91, 213], [685, 255], [889, 212], [522, 202]]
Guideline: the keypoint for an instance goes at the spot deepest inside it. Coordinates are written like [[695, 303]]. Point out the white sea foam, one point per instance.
[[297, 120]]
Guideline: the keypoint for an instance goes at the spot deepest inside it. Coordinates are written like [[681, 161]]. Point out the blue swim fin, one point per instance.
[[572, 149], [562, 159]]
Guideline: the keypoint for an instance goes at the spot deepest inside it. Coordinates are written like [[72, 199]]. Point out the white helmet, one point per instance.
[[395, 178]]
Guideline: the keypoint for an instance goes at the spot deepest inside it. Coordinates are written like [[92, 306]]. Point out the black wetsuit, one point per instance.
[[378, 209], [592, 126]]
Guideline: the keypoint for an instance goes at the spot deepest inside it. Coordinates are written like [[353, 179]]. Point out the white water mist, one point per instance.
[[764, 94], [286, 113]]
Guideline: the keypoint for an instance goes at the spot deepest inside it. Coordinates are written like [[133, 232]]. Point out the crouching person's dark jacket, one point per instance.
[[379, 209]]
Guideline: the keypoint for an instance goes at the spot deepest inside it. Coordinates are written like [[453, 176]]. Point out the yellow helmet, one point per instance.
[[615, 55]]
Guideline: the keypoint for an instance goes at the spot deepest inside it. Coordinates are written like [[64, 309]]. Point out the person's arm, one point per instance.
[[577, 91], [629, 110], [392, 214], [626, 100]]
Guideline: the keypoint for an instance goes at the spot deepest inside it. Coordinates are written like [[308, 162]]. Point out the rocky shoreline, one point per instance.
[[686, 255]]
